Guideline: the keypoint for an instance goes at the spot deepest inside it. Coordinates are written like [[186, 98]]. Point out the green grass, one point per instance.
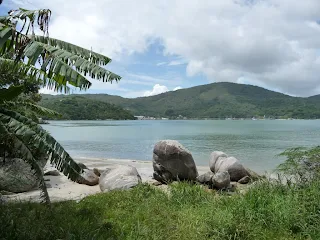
[[266, 212]]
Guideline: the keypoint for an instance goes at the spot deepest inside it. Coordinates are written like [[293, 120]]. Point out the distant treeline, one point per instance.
[[81, 108], [216, 100]]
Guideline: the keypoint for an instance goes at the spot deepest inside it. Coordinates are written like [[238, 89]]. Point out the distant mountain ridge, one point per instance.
[[73, 107], [215, 100]]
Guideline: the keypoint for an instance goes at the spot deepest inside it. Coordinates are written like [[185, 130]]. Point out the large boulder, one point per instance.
[[172, 161], [88, 177], [120, 177], [221, 180], [220, 162], [17, 176]]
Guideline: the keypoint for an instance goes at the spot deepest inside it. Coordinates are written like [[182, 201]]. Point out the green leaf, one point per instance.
[[7, 94], [58, 156], [5, 34], [90, 56]]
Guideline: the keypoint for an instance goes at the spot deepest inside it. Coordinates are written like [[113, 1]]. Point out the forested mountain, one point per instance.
[[81, 108], [216, 100]]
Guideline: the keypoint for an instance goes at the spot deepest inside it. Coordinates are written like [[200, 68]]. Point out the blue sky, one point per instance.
[[161, 45]]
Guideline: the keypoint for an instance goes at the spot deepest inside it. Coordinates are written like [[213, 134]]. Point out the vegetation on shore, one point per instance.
[[216, 100], [81, 108], [268, 210]]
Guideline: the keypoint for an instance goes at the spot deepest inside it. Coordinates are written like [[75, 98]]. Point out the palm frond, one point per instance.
[[89, 55], [10, 68], [29, 17], [44, 141], [5, 34], [33, 107], [62, 59], [7, 94], [25, 153]]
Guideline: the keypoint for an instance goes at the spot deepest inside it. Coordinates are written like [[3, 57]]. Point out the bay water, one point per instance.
[[255, 143]]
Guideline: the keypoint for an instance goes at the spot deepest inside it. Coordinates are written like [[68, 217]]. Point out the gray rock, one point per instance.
[[220, 162], [172, 161], [88, 177], [17, 176], [52, 173], [205, 178], [221, 180], [97, 172], [244, 180], [118, 178]]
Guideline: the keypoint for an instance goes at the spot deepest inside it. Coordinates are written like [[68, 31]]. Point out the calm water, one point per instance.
[[255, 143]]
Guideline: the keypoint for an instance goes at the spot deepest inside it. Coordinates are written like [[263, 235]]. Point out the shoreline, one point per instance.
[[60, 188]]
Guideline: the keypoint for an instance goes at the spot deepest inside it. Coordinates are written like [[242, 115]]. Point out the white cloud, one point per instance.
[[177, 88], [161, 63], [177, 62], [157, 89], [272, 42], [47, 91]]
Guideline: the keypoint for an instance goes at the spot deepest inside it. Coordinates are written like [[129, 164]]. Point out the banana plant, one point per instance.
[[52, 63]]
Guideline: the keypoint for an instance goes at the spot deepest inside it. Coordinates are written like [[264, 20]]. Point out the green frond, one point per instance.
[[59, 56], [44, 142], [29, 17], [33, 107], [7, 94], [10, 68], [5, 34], [24, 152], [89, 55]]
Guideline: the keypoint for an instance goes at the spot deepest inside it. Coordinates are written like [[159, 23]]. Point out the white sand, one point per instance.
[[61, 188]]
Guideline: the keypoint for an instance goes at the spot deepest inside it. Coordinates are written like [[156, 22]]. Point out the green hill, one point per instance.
[[81, 108], [217, 100]]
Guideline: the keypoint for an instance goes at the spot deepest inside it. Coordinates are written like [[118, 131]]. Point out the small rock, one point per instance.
[[88, 177], [48, 185], [220, 162], [221, 180], [97, 172], [244, 180], [52, 173], [156, 183], [120, 177], [205, 178]]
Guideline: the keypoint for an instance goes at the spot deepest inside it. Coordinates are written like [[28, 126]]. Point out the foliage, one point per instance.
[[267, 211], [217, 100], [26, 139], [80, 108], [28, 62], [303, 164], [62, 63]]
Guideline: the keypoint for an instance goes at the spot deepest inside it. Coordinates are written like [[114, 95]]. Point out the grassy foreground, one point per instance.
[[267, 211]]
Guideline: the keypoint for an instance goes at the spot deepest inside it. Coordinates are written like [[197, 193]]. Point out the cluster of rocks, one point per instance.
[[117, 177], [171, 162], [16, 176]]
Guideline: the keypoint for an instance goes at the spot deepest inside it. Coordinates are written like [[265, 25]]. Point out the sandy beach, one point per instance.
[[60, 188]]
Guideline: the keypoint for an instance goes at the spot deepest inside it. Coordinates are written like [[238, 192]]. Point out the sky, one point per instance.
[[165, 45]]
